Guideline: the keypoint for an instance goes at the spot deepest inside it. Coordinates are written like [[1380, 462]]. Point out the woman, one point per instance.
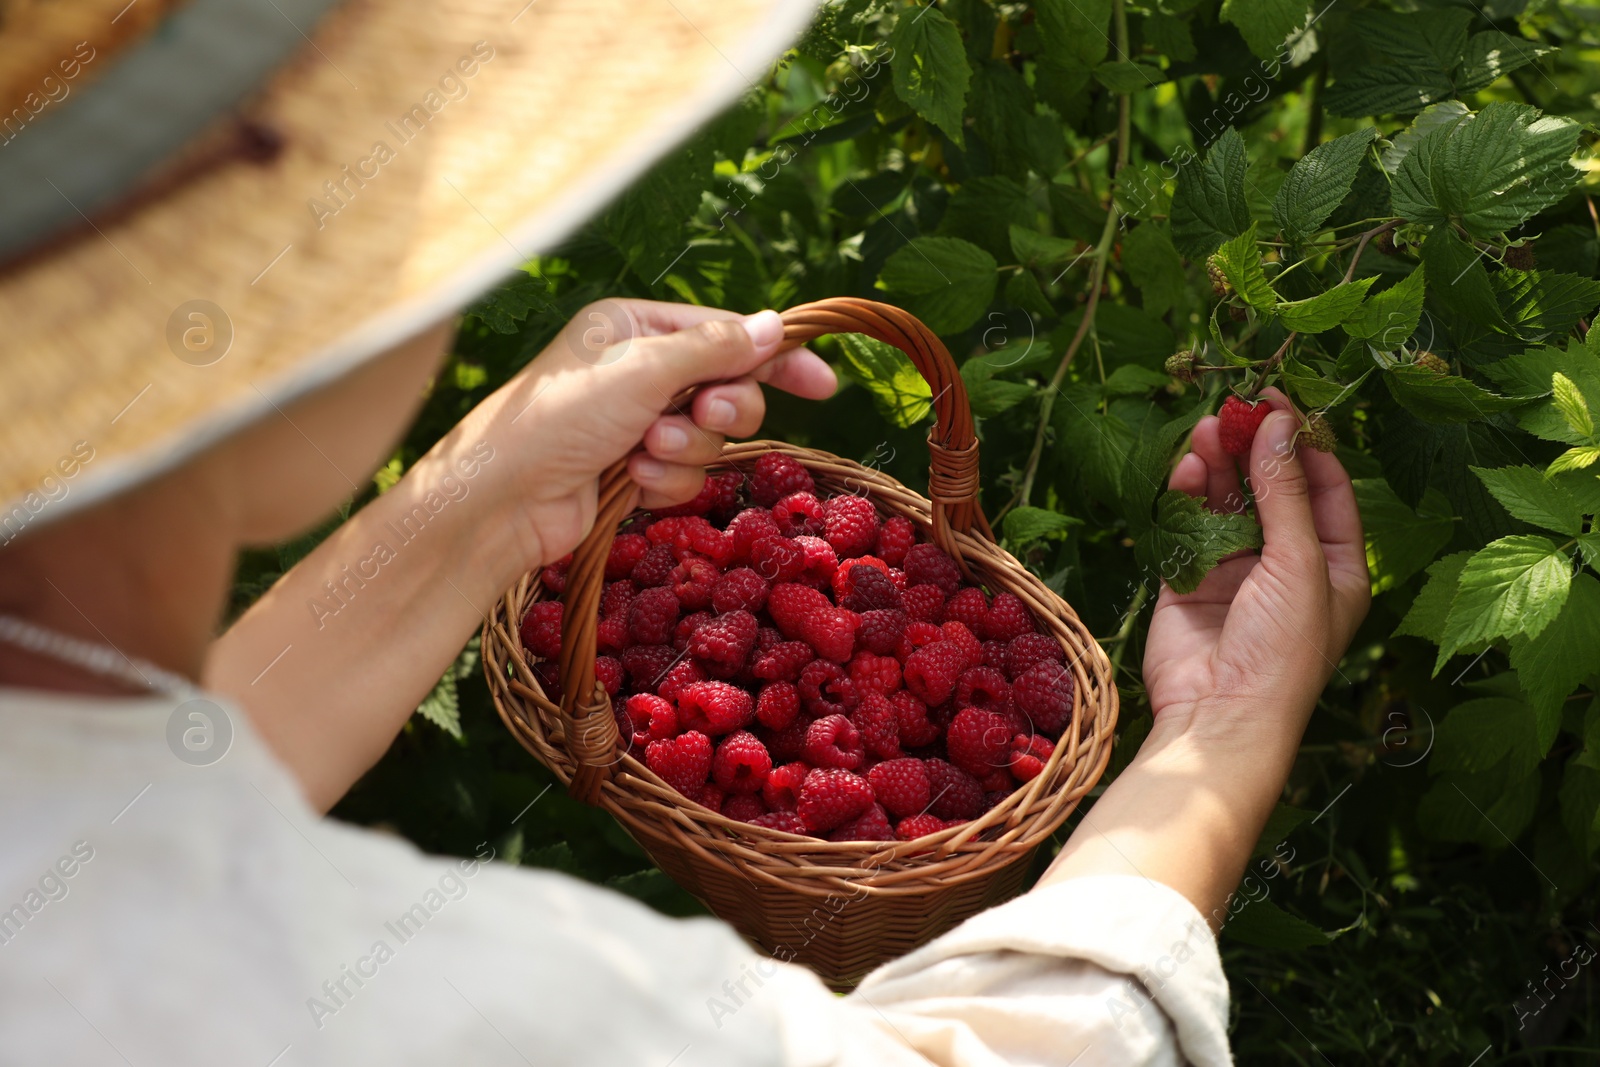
[[234, 247]]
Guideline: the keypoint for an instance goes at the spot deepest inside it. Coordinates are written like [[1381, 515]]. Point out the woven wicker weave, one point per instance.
[[839, 908]]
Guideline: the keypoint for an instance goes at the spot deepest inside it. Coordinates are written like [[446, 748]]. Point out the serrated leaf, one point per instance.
[[1325, 310], [1169, 35], [1130, 379], [1145, 465], [950, 282], [1541, 304], [1318, 183], [1209, 205], [1400, 541], [993, 397], [1515, 585], [1187, 540], [1388, 319], [1484, 808], [1429, 40], [1460, 282], [931, 73], [1477, 735], [1444, 397], [1266, 24], [1072, 33], [899, 392], [1035, 249], [1387, 90], [1434, 116], [1574, 459], [1571, 405], [1532, 497], [1128, 78], [1431, 608], [1491, 55], [1497, 169], [442, 707], [1240, 261], [1153, 264], [1589, 550], [1265, 925], [1025, 525], [1022, 290], [1283, 821], [1556, 662]]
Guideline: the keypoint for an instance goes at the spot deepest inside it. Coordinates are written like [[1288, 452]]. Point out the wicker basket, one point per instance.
[[839, 908]]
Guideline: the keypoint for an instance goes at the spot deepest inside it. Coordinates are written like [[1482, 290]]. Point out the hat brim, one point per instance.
[[568, 102]]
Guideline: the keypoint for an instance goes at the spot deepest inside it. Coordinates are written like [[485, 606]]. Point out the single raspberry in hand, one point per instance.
[[1239, 420]]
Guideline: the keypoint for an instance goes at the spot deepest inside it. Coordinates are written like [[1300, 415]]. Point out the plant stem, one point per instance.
[[1120, 638]]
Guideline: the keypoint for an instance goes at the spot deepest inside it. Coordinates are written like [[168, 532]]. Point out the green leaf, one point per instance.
[[1589, 549], [1428, 40], [1022, 290], [1241, 263], [1025, 525], [1283, 821], [1325, 310], [1539, 304], [1265, 925], [1388, 319], [1571, 405], [950, 282], [1386, 90], [1130, 379], [1574, 459], [1431, 609], [899, 392], [1128, 78], [1169, 35], [1266, 24], [1444, 397], [1479, 734], [1460, 282], [1001, 105], [993, 397], [1400, 541], [1502, 166], [1145, 464], [930, 67], [1487, 808], [1073, 33], [442, 707], [504, 309], [1318, 183], [1035, 249], [1532, 497], [1209, 205], [1556, 662], [1187, 540], [1491, 55], [647, 223], [1515, 585], [1435, 116], [1153, 264]]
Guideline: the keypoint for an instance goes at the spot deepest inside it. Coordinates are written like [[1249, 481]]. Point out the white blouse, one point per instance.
[[165, 910]]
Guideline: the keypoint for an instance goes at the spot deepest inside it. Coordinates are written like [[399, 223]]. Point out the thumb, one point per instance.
[[1283, 501], [713, 350]]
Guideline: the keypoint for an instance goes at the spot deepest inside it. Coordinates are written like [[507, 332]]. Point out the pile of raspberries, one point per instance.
[[801, 664]]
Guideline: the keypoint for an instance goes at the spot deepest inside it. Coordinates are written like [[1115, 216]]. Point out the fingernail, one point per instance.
[[1280, 429], [765, 328], [719, 415], [648, 469], [672, 438]]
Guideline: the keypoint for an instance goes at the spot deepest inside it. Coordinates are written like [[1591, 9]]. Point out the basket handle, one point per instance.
[[591, 730]]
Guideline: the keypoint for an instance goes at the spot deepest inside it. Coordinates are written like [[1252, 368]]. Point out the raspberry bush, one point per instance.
[[1119, 216]]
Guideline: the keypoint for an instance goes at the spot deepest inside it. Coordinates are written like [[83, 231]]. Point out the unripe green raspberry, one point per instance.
[[1432, 362], [1318, 433]]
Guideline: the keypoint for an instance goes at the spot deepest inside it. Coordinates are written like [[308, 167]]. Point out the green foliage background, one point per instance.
[[1367, 179]]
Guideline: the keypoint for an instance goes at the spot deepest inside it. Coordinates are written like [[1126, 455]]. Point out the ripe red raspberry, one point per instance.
[[739, 589], [549, 674], [911, 716], [541, 629], [741, 764], [997, 785], [804, 614], [783, 662], [872, 591], [870, 825], [683, 762], [777, 559], [686, 627], [777, 705], [979, 742], [924, 603], [719, 493], [881, 630], [653, 718], [1238, 422], [626, 552], [843, 581], [954, 793], [608, 672], [789, 743], [901, 785], [711, 797], [554, 577], [898, 577], [746, 528], [724, 643], [873, 672], [994, 655], [1008, 618], [715, 707], [832, 797], [615, 597], [743, 807], [928, 565], [985, 688], [851, 523], [895, 539], [825, 689], [1025, 650], [768, 638], [909, 829], [651, 616], [969, 607], [833, 741], [647, 664], [654, 567], [787, 821], [970, 646], [917, 634], [781, 790], [692, 580], [611, 635], [798, 514], [1028, 756], [1044, 694], [821, 563], [776, 476], [879, 728], [683, 673], [931, 671]]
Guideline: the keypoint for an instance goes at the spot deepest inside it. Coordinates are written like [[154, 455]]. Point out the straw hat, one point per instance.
[[211, 208]]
